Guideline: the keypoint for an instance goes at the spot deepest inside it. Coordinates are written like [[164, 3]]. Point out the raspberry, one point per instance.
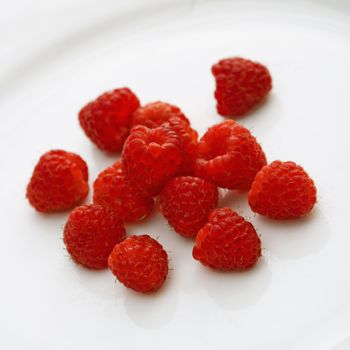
[[189, 141], [140, 263], [240, 85], [151, 157], [186, 202], [157, 113], [107, 120], [58, 182], [282, 190], [90, 234], [112, 189], [229, 156], [227, 242], [75, 159]]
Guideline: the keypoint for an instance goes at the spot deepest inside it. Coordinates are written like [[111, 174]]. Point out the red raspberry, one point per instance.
[[229, 156], [151, 157], [189, 141], [58, 182], [107, 120], [186, 202], [227, 242], [157, 113], [140, 263], [90, 234], [240, 85], [75, 159], [113, 190], [282, 190]]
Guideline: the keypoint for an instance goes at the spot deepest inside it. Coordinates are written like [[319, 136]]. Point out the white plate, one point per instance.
[[58, 55]]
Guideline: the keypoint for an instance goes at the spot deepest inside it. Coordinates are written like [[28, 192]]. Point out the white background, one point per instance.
[[57, 55]]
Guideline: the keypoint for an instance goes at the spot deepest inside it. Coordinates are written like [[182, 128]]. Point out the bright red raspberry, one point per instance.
[[75, 159], [113, 190], [107, 120], [157, 113], [229, 156], [240, 85], [282, 190], [91, 233], [186, 202], [227, 242], [151, 157], [140, 263], [189, 142], [58, 182]]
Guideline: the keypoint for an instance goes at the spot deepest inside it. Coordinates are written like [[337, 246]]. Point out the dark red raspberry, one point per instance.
[[107, 120], [282, 190], [91, 233], [227, 242], [229, 156], [157, 113], [113, 190], [240, 85], [186, 202], [58, 182], [140, 263], [151, 157]]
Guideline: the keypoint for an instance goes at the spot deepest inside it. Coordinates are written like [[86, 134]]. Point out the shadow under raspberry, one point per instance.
[[234, 289], [296, 238]]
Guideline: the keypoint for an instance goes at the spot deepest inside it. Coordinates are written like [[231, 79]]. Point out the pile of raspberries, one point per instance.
[[163, 160]]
